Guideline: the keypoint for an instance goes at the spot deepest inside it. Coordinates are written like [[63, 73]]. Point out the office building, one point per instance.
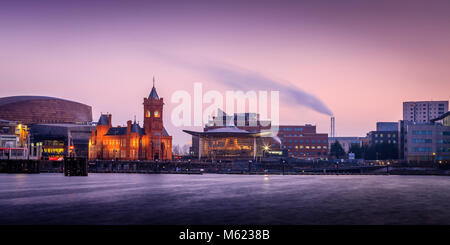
[[423, 111]]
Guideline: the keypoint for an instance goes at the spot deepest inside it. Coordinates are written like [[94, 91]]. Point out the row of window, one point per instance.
[[306, 147], [295, 129], [421, 132], [388, 135], [429, 149], [155, 114], [429, 132], [309, 153], [388, 141], [443, 141], [422, 140], [122, 142], [304, 141], [422, 149]]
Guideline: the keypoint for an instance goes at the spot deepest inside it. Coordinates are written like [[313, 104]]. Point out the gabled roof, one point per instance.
[[165, 132], [103, 120], [135, 128], [117, 131]]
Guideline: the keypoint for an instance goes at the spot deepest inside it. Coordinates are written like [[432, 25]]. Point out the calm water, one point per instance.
[[223, 199]]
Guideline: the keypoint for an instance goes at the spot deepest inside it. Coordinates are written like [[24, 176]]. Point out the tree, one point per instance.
[[357, 149], [185, 149], [381, 151], [176, 149], [336, 150]]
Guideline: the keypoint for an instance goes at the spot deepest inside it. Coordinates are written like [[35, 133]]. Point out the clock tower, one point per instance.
[[153, 124]]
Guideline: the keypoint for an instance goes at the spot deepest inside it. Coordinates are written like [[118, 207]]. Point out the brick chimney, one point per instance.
[[109, 120], [128, 126]]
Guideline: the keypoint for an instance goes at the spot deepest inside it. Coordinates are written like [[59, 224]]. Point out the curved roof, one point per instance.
[[225, 131], [16, 99], [43, 109], [232, 129]]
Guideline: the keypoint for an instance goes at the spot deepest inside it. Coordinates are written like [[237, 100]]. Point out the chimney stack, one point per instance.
[[332, 131], [128, 126]]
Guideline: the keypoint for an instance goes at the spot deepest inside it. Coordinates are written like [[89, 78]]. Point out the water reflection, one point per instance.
[[223, 199]]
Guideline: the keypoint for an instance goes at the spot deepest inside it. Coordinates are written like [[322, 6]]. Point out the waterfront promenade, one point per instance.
[[224, 167]]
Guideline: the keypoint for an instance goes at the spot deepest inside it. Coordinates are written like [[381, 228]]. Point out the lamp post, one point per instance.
[[434, 158], [189, 165]]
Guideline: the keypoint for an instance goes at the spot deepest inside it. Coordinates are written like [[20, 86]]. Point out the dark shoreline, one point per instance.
[[392, 171]]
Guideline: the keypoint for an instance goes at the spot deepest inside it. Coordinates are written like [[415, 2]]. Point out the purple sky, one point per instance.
[[360, 59]]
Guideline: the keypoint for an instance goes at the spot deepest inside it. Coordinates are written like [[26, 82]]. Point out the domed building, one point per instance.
[[43, 109]]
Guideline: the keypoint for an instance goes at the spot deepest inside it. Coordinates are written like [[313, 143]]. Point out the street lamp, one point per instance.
[[266, 148], [434, 158]]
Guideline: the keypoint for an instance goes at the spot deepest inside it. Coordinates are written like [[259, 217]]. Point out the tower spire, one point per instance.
[[153, 94]]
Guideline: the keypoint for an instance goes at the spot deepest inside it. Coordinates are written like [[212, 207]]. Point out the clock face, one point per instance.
[[147, 114], [156, 113]]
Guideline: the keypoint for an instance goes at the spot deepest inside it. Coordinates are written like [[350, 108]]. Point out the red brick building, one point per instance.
[[150, 142], [302, 141]]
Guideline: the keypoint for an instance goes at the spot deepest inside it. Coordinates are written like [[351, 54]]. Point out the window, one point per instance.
[[421, 141], [443, 141], [422, 149], [147, 114], [421, 132], [156, 114]]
